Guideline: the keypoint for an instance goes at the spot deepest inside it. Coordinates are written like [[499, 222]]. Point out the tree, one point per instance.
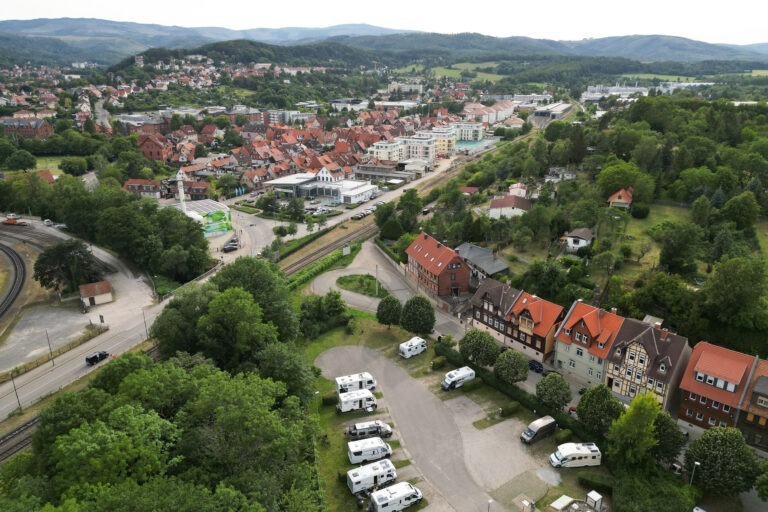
[[670, 439], [175, 329], [727, 466], [65, 266], [389, 310], [598, 408], [285, 363], [479, 347], [553, 391], [74, 165], [761, 484], [418, 315], [680, 245], [735, 294], [743, 210], [623, 175], [20, 160], [511, 366], [631, 435], [409, 206], [112, 375]]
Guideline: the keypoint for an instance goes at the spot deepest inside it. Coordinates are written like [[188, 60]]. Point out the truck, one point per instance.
[[371, 476], [574, 455], [395, 497], [361, 399], [13, 220], [366, 429], [456, 378], [412, 347], [367, 450], [363, 380], [538, 429]]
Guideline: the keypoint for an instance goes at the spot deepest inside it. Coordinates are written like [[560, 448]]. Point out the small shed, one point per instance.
[[93, 294]]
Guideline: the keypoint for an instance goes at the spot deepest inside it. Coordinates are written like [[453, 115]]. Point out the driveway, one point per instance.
[[461, 467]]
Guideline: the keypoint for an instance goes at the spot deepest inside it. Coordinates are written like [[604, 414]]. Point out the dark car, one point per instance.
[[96, 357], [535, 366], [230, 248]]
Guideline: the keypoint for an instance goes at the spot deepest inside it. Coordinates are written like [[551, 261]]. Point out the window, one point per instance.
[[699, 377], [699, 416], [590, 372], [703, 400], [632, 390], [631, 356], [616, 368], [688, 413], [650, 381], [659, 385], [617, 383], [723, 424], [710, 380], [601, 344], [618, 351], [762, 401], [599, 376], [750, 417], [711, 421], [578, 336], [571, 363], [568, 332], [726, 408], [477, 314], [693, 396], [715, 405], [629, 372], [599, 361], [580, 352], [641, 359], [662, 367], [591, 358], [761, 421]]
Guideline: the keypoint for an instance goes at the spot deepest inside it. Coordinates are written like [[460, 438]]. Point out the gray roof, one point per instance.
[[761, 386], [481, 258], [501, 295], [583, 233], [661, 345]]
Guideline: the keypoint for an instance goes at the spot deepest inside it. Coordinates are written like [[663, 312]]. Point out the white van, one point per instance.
[[396, 497], [368, 429], [574, 455], [355, 381], [377, 474], [455, 378], [356, 401], [412, 347], [538, 429], [367, 450]]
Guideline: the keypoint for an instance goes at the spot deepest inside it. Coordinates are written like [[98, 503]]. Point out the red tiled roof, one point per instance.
[[469, 190], [94, 289], [543, 312], [726, 364], [431, 254], [601, 325], [511, 202], [622, 196], [761, 371]]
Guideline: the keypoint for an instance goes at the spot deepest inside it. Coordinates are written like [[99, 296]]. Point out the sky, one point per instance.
[[733, 22]]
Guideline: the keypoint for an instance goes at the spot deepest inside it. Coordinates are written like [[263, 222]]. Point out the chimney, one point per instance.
[[426, 236], [657, 325], [439, 245]]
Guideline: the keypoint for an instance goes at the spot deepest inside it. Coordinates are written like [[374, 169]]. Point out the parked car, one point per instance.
[[380, 203], [60, 226], [358, 216], [535, 366], [230, 248], [48, 222]]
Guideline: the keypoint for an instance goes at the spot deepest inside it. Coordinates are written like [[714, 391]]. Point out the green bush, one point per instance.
[[294, 245], [438, 363], [598, 481], [563, 436], [342, 476], [351, 325], [640, 211], [510, 409], [473, 384], [330, 398]]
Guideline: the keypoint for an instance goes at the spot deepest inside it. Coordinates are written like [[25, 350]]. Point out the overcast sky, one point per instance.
[[733, 22]]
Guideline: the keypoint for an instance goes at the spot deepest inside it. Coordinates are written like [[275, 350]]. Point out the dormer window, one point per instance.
[[662, 367], [567, 332], [618, 351]]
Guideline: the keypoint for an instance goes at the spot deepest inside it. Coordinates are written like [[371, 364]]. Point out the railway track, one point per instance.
[[19, 271], [18, 440], [361, 233]]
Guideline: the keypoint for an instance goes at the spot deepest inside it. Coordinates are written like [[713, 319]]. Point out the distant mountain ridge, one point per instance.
[[64, 40]]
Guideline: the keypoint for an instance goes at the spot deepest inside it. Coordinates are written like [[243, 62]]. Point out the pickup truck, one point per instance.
[[96, 357]]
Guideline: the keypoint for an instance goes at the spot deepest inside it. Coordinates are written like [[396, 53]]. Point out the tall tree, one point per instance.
[[479, 347], [418, 315], [389, 310], [598, 409], [726, 465], [632, 435], [553, 391], [66, 265], [511, 366]]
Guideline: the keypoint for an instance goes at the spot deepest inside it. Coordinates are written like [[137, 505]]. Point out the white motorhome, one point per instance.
[[455, 378], [354, 382], [367, 450], [396, 497], [412, 347], [574, 455], [376, 428], [377, 474], [356, 401]]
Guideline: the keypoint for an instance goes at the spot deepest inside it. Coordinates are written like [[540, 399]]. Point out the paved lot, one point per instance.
[[461, 467]]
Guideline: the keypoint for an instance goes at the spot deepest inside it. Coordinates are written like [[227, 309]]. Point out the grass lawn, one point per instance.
[[49, 163], [365, 284]]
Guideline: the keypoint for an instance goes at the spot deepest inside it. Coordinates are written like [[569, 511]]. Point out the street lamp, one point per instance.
[[693, 473], [317, 403], [489, 505]]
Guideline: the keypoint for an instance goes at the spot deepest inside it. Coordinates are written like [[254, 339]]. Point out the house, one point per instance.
[[144, 188], [714, 386], [646, 358], [28, 128], [435, 268], [508, 206], [753, 416], [155, 147], [469, 191], [584, 340], [482, 262], [577, 239], [93, 294], [532, 323], [490, 305], [622, 198]]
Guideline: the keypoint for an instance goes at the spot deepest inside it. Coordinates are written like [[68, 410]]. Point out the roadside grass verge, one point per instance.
[[365, 284]]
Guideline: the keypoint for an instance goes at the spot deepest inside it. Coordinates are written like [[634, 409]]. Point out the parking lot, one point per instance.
[[456, 465]]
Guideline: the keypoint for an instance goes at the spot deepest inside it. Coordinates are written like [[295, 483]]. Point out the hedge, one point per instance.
[[384, 247], [526, 399], [438, 363], [307, 273], [563, 436], [597, 481], [510, 409], [330, 398], [295, 245]]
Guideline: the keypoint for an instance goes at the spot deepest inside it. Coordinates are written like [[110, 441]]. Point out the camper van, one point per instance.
[[356, 381], [538, 429], [412, 347], [368, 429], [396, 497], [574, 455], [367, 450], [455, 378], [377, 474], [356, 401]]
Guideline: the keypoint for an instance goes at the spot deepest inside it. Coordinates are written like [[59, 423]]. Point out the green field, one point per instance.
[[49, 163]]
